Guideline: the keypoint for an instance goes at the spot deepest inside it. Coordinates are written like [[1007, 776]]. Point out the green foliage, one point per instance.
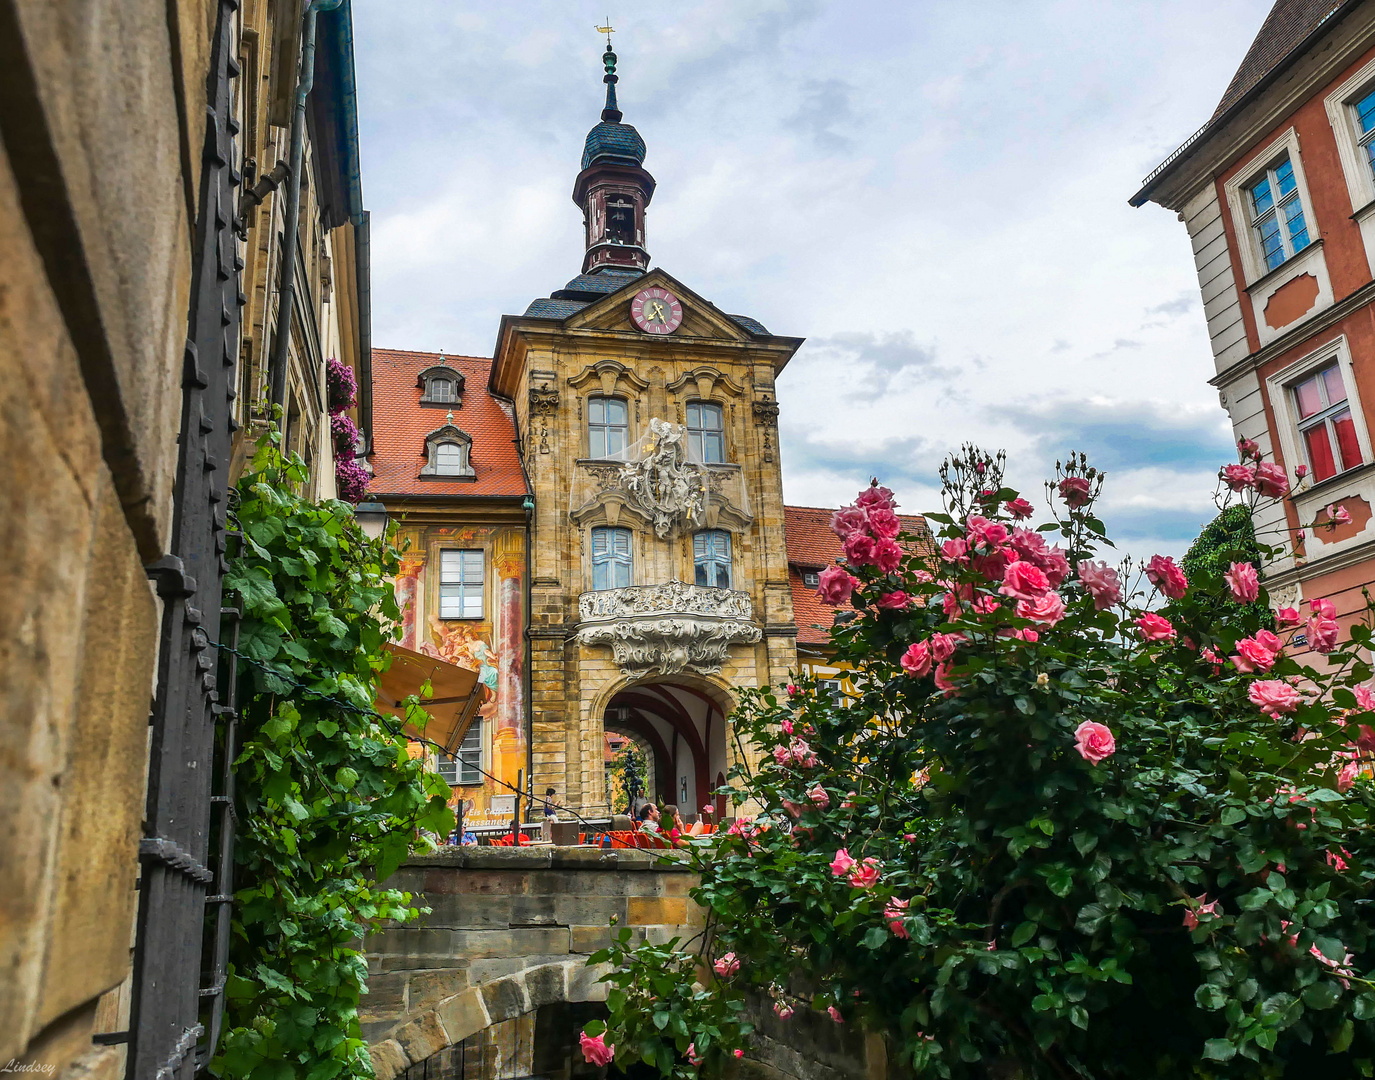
[[663, 1017], [1196, 904], [1228, 537], [329, 801]]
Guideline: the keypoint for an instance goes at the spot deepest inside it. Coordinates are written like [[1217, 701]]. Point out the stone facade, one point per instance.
[[102, 117]]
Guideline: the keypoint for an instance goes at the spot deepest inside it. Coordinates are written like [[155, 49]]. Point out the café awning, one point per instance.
[[456, 695]]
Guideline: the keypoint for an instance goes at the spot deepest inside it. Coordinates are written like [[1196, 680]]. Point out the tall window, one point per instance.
[[465, 766], [711, 558], [1365, 123], [608, 423], [610, 558], [706, 431], [1325, 424], [450, 459], [460, 584], [1277, 214], [441, 390]]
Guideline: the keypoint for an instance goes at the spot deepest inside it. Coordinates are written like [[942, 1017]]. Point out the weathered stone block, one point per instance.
[[505, 998], [584, 984], [426, 989], [422, 1037], [547, 984], [462, 1015], [590, 910], [385, 997], [388, 1059], [588, 939], [656, 910]]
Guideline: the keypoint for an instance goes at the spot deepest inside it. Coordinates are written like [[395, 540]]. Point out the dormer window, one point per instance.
[[448, 454], [441, 385]]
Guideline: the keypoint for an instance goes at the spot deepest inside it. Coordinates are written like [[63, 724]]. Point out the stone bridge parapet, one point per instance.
[[509, 930]]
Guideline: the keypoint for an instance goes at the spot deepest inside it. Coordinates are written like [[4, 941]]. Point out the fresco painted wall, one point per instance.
[[493, 645]]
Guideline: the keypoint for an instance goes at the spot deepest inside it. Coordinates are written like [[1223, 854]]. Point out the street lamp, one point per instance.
[[372, 517]]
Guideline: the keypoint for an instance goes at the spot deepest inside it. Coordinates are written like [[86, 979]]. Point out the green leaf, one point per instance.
[[1024, 933], [1219, 1050]]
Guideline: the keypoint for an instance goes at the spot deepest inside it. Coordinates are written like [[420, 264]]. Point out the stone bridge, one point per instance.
[[509, 933]]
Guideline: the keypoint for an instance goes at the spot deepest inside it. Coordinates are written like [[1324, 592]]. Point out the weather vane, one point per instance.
[[608, 30]]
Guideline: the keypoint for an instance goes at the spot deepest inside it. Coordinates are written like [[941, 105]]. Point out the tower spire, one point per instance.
[[611, 114]]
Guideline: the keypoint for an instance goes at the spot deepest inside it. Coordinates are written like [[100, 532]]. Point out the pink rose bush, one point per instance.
[[595, 1051], [1087, 792]]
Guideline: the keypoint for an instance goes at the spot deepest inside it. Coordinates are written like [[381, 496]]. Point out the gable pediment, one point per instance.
[[700, 318]]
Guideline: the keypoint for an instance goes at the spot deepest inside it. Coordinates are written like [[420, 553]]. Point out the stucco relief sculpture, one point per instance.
[[663, 484], [667, 629]]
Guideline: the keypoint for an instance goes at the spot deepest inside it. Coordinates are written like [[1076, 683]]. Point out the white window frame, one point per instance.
[[1238, 203], [1279, 388], [814, 575], [462, 467], [714, 558], [1341, 113], [448, 436], [467, 587], [463, 768], [697, 436], [607, 427]]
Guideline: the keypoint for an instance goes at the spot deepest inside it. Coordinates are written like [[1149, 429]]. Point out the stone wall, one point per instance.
[[101, 127], [509, 931]]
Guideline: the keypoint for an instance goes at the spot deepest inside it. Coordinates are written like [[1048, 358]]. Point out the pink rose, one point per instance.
[[895, 913], [1323, 634], [787, 725], [1344, 968], [727, 965], [1101, 582], [955, 550], [595, 1051], [1287, 617], [835, 1014], [1191, 914], [847, 520], [1048, 609], [1155, 627], [943, 679], [916, 661], [985, 533], [1257, 653], [836, 585], [692, 1054], [1364, 698], [884, 524], [943, 646], [737, 1052], [708, 809], [1342, 516], [1300, 471], [876, 497], [994, 565], [793, 808], [1248, 448], [865, 875], [819, 797], [1239, 477], [1023, 581], [849, 803], [887, 555], [781, 1010], [1334, 860], [1029, 545], [1075, 491], [1243, 581], [860, 549], [1019, 508], [894, 600], [1271, 481], [923, 576], [1166, 576], [1346, 777], [1094, 742], [1273, 696], [1326, 608], [842, 863]]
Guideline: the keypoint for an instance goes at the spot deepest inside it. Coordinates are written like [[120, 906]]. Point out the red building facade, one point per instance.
[[1277, 191]]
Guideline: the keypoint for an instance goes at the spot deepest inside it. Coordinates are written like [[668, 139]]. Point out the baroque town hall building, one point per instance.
[[593, 518]]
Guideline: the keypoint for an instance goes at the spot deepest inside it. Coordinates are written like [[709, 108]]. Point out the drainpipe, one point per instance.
[[287, 294]]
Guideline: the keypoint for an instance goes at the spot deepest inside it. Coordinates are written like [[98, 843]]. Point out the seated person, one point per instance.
[[673, 827]]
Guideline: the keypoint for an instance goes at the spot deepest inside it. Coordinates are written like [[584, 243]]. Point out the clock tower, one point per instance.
[[647, 423]]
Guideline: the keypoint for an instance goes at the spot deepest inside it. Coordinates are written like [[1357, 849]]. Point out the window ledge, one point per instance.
[[1363, 212], [431, 403], [1288, 264], [461, 478], [1332, 483]]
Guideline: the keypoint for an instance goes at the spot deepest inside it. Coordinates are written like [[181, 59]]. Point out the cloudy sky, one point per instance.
[[934, 194]]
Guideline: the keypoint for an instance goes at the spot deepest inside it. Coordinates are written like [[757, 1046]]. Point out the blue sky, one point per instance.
[[933, 194]]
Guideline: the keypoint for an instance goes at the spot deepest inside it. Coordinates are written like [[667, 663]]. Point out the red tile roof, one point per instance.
[[401, 423], [813, 546]]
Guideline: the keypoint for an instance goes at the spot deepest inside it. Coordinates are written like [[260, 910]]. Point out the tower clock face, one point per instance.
[[656, 311]]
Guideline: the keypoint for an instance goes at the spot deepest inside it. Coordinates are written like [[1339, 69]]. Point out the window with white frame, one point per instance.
[[832, 688], [460, 584], [1326, 428], [1276, 213], [706, 430], [451, 459], [611, 561], [811, 579], [465, 767], [711, 558], [1363, 112], [608, 426]]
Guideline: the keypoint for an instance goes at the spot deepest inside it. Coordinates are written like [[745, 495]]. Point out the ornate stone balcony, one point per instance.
[[666, 629]]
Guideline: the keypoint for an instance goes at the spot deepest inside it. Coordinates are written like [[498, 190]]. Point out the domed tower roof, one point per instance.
[[613, 141]]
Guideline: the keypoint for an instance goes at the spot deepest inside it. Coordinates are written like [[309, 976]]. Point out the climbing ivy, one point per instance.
[[329, 801]]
